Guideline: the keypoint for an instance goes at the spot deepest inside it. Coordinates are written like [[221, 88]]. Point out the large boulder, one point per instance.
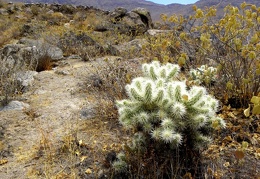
[[15, 56], [134, 22], [26, 54], [43, 48], [145, 16], [118, 13]]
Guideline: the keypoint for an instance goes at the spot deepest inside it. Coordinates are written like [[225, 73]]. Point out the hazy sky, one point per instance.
[[174, 1]]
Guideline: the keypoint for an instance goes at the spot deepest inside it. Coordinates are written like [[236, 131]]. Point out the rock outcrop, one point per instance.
[[29, 51], [43, 48], [137, 21]]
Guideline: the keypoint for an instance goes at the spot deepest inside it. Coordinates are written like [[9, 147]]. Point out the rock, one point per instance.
[[137, 21], [145, 16], [43, 48], [27, 54], [3, 11], [111, 157], [74, 57], [154, 32], [88, 112], [95, 81], [62, 72], [55, 53], [15, 105], [27, 29], [111, 50], [67, 9], [11, 49], [101, 27], [31, 29], [16, 56], [11, 9], [132, 24], [132, 46], [67, 25], [26, 78], [50, 12], [55, 7], [118, 13]]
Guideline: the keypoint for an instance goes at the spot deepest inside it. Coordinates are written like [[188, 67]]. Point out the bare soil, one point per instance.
[[56, 137]]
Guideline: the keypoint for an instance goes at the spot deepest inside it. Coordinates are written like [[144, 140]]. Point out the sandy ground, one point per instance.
[[54, 136]]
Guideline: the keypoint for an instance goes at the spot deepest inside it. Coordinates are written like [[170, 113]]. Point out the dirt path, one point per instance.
[[35, 140]]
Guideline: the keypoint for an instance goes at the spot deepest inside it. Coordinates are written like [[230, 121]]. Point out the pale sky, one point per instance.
[[174, 1]]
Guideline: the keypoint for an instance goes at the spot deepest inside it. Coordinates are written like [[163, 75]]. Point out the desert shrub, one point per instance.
[[170, 120], [58, 18], [93, 20], [55, 18], [35, 10], [234, 51], [81, 44], [204, 75], [44, 63], [162, 47], [79, 16], [229, 43], [1, 4], [106, 82], [10, 31]]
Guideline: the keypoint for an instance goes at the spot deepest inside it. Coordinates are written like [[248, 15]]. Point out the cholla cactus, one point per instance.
[[204, 75], [120, 164], [164, 109]]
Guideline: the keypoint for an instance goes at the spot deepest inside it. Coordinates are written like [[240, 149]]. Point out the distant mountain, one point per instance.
[[155, 9]]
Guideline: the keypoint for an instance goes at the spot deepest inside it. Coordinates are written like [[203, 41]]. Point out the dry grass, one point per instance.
[[45, 63], [106, 82]]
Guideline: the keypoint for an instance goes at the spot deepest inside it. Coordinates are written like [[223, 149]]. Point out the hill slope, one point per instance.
[[155, 9]]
